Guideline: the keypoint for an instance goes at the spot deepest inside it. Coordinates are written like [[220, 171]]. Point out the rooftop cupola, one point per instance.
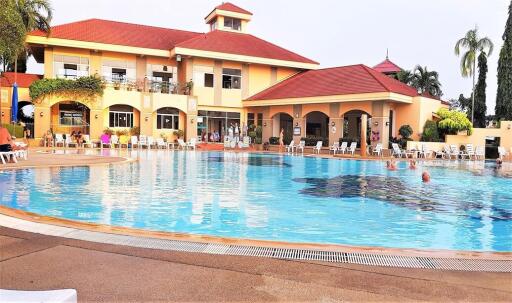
[[228, 17], [387, 67]]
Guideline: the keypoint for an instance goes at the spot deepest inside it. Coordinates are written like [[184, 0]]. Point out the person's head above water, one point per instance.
[[412, 164], [425, 176]]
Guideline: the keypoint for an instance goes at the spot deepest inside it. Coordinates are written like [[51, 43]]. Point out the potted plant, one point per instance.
[[117, 85], [178, 133], [164, 136]]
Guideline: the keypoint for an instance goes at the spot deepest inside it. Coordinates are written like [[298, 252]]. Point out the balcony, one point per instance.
[[146, 85]]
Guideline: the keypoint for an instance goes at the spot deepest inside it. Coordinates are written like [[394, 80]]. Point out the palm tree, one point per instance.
[[404, 76], [426, 81], [35, 15], [473, 45]]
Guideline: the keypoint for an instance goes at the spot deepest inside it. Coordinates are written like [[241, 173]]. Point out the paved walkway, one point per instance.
[[109, 273]]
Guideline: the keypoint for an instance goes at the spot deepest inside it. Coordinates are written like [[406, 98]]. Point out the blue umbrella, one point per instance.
[[14, 107]]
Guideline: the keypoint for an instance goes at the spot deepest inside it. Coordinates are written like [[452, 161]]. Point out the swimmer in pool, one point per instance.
[[425, 177]]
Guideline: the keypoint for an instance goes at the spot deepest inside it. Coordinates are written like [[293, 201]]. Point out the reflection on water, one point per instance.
[[275, 197], [428, 197]]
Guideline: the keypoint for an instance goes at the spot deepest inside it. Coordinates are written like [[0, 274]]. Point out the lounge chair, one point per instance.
[[479, 153], [4, 156], [246, 142], [54, 296], [143, 141], [69, 141], [114, 141], [160, 143], [334, 147], [377, 150], [87, 141], [502, 152], [469, 152], [425, 151], [183, 145], [352, 148], [59, 139], [22, 151], [134, 141], [151, 142], [290, 147], [343, 147], [301, 146], [105, 141], [318, 148], [454, 151], [124, 141], [192, 143], [397, 152]]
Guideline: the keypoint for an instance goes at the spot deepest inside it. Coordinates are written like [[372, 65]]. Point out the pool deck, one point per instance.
[[113, 273]]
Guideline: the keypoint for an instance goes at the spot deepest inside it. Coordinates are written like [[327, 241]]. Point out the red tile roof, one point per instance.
[[387, 66], [241, 44], [226, 6], [119, 33], [344, 80], [23, 80]]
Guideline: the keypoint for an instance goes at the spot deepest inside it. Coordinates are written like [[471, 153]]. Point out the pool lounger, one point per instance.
[[53, 296]]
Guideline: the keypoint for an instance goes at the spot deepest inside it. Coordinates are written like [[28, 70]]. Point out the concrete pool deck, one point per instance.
[[112, 273]]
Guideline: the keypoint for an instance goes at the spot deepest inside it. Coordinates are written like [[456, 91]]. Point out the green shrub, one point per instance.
[[430, 132], [350, 140], [453, 121], [258, 140], [14, 129], [252, 135], [135, 131], [108, 131], [83, 87], [405, 131], [178, 133], [273, 140], [311, 140]]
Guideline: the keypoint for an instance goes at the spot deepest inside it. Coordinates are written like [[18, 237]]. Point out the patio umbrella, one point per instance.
[[14, 105]]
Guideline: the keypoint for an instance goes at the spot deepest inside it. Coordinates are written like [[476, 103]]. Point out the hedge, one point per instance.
[[85, 87]]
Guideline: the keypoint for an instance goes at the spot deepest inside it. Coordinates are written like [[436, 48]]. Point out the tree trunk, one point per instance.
[[473, 94]]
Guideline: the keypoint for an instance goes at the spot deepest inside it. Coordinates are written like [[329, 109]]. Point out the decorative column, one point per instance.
[[364, 123]]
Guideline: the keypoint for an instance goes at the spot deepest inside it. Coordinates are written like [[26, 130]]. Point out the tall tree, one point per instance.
[[473, 45], [35, 15], [426, 81], [404, 76], [480, 107], [504, 94]]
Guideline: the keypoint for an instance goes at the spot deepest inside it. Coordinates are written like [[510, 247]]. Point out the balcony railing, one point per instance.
[[146, 85]]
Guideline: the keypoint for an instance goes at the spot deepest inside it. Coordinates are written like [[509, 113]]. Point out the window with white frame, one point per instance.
[[231, 78], [72, 114], [118, 71], [121, 116], [233, 23], [70, 67], [167, 118]]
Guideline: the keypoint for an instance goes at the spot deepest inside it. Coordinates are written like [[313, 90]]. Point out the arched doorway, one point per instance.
[[69, 116], [317, 126], [283, 121], [352, 126], [26, 116]]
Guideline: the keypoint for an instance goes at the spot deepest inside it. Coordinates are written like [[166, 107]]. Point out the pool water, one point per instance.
[[278, 197]]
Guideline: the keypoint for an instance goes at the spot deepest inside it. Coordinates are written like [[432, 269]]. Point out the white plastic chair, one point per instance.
[[4, 156], [502, 152], [480, 153], [318, 147], [397, 152], [334, 147], [114, 141], [134, 141], [301, 146], [143, 141], [377, 150], [192, 143], [59, 139], [182, 144], [160, 143], [151, 142], [69, 141], [87, 141], [352, 148], [290, 147], [343, 147]]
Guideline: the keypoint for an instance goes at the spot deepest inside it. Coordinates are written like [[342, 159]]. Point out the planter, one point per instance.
[[258, 147]]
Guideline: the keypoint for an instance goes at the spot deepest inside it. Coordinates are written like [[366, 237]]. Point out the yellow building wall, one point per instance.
[[285, 72], [259, 78]]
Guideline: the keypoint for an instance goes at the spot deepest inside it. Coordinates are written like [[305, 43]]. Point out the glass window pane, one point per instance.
[[176, 122], [208, 80]]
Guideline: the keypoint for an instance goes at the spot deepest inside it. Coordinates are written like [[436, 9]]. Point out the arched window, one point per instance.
[[167, 118]]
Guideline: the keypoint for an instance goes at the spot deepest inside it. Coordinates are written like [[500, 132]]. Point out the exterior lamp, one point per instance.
[[41, 114], [376, 123], [264, 124], [297, 124], [96, 116], [2, 114], [509, 126], [146, 119], [333, 123], [296, 115], [192, 121], [387, 123]]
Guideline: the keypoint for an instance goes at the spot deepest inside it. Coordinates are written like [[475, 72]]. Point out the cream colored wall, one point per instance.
[[477, 138], [409, 114], [285, 72], [259, 78]]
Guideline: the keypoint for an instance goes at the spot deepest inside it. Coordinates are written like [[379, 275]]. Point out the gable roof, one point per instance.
[[119, 33], [23, 80], [344, 80], [241, 44], [227, 6], [387, 66]]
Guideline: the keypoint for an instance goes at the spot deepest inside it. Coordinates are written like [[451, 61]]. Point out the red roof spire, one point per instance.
[[387, 67]]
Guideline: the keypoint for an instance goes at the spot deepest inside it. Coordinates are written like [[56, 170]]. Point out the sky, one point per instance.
[[333, 32]]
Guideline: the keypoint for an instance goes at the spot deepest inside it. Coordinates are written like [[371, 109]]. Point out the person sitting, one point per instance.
[[78, 138], [6, 141], [412, 164], [48, 139], [425, 177]]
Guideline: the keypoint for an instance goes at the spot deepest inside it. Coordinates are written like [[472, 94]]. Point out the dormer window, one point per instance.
[[233, 23]]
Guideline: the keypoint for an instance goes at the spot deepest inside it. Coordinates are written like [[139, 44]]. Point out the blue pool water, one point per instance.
[[276, 197]]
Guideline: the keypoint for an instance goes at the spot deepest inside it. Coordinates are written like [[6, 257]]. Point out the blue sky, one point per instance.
[[333, 32]]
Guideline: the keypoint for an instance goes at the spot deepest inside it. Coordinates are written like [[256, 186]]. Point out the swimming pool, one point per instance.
[[279, 198]]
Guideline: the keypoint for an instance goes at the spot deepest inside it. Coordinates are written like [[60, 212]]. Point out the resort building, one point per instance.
[[160, 80]]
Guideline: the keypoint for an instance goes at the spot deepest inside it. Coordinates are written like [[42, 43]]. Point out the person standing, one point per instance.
[[281, 139]]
